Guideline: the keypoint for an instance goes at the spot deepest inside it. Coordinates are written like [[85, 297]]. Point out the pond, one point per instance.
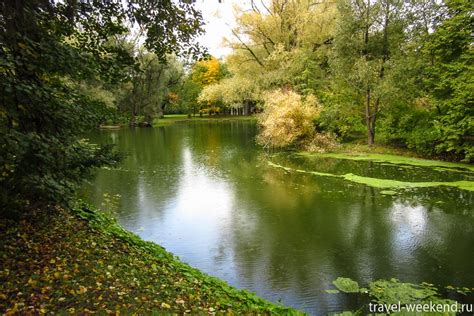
[[210, 195]]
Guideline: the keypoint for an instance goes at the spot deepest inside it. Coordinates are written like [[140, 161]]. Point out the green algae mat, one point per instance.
[[393, 159], [440, 171]]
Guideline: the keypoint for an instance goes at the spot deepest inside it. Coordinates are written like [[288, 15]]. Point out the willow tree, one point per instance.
[[280, 43], [274, 44], [44, 46]]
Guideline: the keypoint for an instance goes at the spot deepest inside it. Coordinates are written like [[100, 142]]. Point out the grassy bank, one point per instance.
[[81, 261], [359, 147], [179, 118]]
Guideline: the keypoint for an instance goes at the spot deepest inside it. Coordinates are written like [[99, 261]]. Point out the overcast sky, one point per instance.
[[219, 18]]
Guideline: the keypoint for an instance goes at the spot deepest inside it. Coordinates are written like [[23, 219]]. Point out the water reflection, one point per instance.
[[206, 193]]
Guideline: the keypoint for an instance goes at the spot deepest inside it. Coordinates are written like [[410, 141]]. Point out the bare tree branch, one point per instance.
[[247, 48]]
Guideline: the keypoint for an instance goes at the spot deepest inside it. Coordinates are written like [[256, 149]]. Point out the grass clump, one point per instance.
[[170, 119]]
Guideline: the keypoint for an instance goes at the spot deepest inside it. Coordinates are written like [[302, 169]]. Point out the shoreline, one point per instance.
[[79, 260]]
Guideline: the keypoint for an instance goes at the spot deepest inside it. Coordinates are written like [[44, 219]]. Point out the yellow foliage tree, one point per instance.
[[273, 44], [207, 71]]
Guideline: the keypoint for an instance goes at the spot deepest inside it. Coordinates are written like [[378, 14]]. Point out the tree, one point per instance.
[[151, 84], [431, 111], [279, 45], [288, 120], [275, 44], [188, 94], [45, 45], [207, 71], [368, 34], [237, 93], [450, 78], [204, 72]]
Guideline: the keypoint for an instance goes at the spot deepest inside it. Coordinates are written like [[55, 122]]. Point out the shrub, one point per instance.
[[288, 120], [321, 142]]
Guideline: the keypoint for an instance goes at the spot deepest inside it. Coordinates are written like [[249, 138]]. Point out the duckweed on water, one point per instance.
[[346, 285], [388, 192], [394, 184], [384, 183], [393, 159], [388, 292]]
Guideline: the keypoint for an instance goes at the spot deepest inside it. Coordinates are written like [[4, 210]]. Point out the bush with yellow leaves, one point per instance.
[[288, 120]]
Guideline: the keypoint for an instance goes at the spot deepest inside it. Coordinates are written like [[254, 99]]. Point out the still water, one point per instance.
[[206, 192]]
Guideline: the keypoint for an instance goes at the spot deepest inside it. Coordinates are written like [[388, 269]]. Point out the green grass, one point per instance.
[[78, 261], [172, 116], [179, 118]]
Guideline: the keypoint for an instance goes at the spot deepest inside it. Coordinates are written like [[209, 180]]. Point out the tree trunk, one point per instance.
[[370, 135], [368, 119], [248, 105], [135, 108]]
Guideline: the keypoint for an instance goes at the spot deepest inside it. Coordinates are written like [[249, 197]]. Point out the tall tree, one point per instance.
[[46, 44], [279, 43], [204, 72], [151, 83], [450, 78], [273, 44], [369, 32]]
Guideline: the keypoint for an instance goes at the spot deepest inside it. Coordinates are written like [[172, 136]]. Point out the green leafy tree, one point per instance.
[[188, 95], [368, 35], [45, 45], [151, 83], [450, 79], [431, 112], [204, 72]]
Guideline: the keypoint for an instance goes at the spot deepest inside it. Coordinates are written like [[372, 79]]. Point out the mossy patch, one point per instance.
[[324, 174], [395, 184]]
